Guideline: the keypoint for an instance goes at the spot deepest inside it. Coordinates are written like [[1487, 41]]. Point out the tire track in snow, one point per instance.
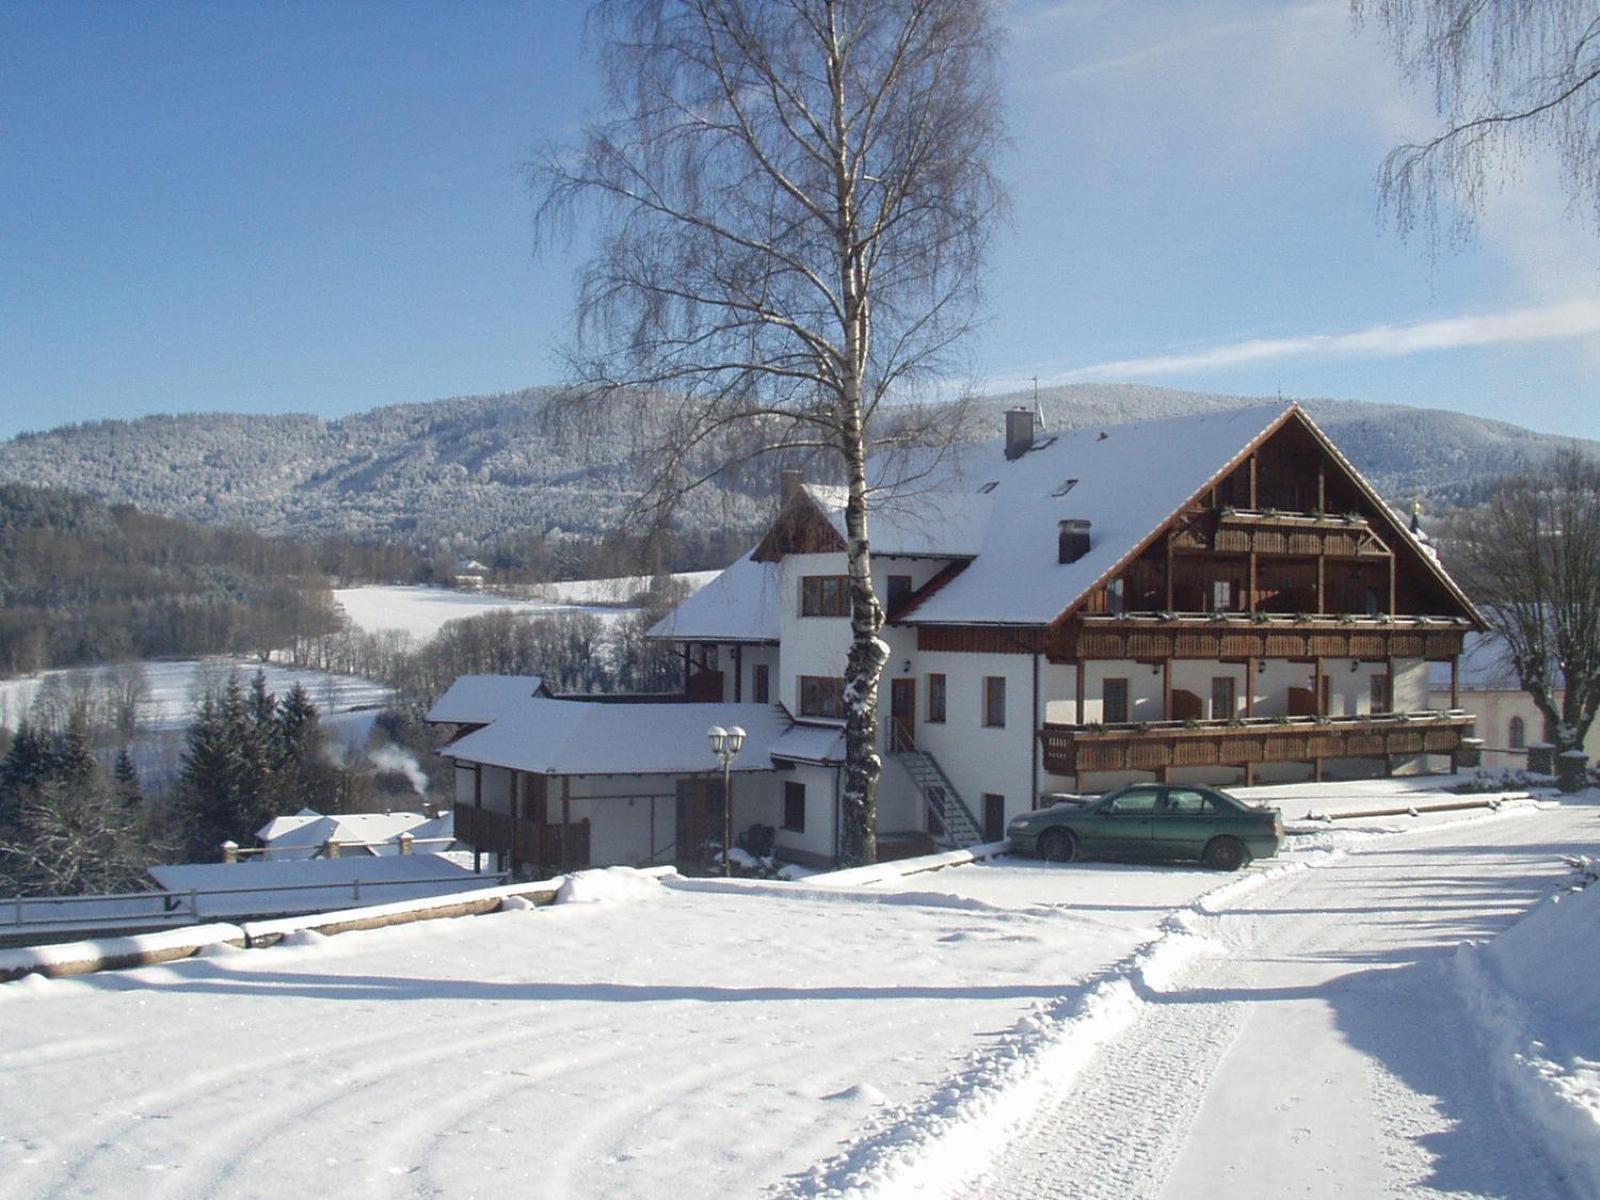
[[1121, 1127], [1386, 1092], [195, 1137]]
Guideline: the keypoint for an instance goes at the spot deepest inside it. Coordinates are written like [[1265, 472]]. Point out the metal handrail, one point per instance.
[[15, 904]]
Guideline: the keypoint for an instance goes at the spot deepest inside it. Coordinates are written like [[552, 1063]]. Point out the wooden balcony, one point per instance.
[[1249, 531], [1155, 746], [543, 848], [1258, 635]]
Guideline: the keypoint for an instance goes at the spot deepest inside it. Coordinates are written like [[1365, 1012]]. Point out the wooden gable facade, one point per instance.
[[1287, 556]]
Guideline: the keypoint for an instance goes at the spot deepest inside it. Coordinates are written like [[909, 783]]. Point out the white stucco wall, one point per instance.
[[1411, 685], [1350, 686], [977, 758], [1145, 694], [818, 645], [1492, 711], [816, 843], [739, 663], [1274, 677]]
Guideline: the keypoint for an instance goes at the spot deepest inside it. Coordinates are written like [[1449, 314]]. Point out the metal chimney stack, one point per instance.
[[1019, 432]]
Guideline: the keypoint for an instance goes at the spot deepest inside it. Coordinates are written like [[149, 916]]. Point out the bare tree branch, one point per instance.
[[1510, 77]]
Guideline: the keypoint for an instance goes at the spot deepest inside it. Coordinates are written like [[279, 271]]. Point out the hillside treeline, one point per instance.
[[82, 582]]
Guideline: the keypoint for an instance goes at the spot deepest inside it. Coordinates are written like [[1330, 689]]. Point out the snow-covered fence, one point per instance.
[[81, 958], [24, 917], [1412, 810]]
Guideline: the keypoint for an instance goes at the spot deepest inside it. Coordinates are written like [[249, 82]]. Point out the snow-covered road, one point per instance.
[[1323, 1048], [1294, 1030]]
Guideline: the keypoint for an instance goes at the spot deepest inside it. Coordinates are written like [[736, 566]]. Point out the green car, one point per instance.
[[1151, 820]]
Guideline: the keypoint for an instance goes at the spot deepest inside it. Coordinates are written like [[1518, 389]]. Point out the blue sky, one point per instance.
[[321, 208]]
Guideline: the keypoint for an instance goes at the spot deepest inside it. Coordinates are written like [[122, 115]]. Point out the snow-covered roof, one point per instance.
[[936, 524], [479, 699], [1129, 479], [302, 840], [1485, 666], [287, 886], [279, 826], [743, 604], [548, 736], [811, 743]]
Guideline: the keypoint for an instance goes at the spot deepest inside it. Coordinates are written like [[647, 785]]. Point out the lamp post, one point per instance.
[[725, 744]]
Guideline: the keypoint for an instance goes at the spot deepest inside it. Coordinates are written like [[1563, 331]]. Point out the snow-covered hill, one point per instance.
[[484, 467]]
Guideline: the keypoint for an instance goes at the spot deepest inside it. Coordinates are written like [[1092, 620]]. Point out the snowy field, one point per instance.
[[177, 685], [422, 611], [1014, 1029], [348, 704]]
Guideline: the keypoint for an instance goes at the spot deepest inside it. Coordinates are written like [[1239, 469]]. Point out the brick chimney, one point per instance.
[[789, 481]]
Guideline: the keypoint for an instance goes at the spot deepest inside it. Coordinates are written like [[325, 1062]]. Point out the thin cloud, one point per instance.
[[1573, 319]]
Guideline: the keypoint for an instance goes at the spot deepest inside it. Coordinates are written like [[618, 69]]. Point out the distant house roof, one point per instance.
[[547, 736], [279, 826], [742, 604], [376, 833], [479, 699], [1484, 666]]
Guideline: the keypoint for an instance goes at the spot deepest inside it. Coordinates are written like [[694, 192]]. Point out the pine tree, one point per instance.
[[256, 726], [306, 779], [28, 762], [126, 778], [75, 763], [210, 799]]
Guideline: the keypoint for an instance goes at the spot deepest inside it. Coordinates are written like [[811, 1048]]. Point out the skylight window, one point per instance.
[[990, 486], [1066, 486]]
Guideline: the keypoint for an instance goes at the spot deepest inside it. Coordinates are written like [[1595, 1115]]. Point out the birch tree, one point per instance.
[[793, 201], [1509, 77]]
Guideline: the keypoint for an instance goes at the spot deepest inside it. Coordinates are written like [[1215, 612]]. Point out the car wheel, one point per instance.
[[1225, 854], [1058, 845]]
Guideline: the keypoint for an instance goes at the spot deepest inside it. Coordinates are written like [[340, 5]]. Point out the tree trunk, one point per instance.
[[863, 668]]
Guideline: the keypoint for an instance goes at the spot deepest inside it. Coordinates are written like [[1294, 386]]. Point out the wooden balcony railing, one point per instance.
[[1259, 635], [1246, 531], [542, 847], [1072, 749]]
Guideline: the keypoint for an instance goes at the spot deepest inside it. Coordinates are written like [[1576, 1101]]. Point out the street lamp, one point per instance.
[[725, 744]]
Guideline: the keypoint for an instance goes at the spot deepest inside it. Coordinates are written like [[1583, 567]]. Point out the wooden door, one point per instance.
[[903, 714], [699, 817]]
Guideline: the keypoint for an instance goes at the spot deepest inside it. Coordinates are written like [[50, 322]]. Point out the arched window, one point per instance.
[[1517, 734]]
